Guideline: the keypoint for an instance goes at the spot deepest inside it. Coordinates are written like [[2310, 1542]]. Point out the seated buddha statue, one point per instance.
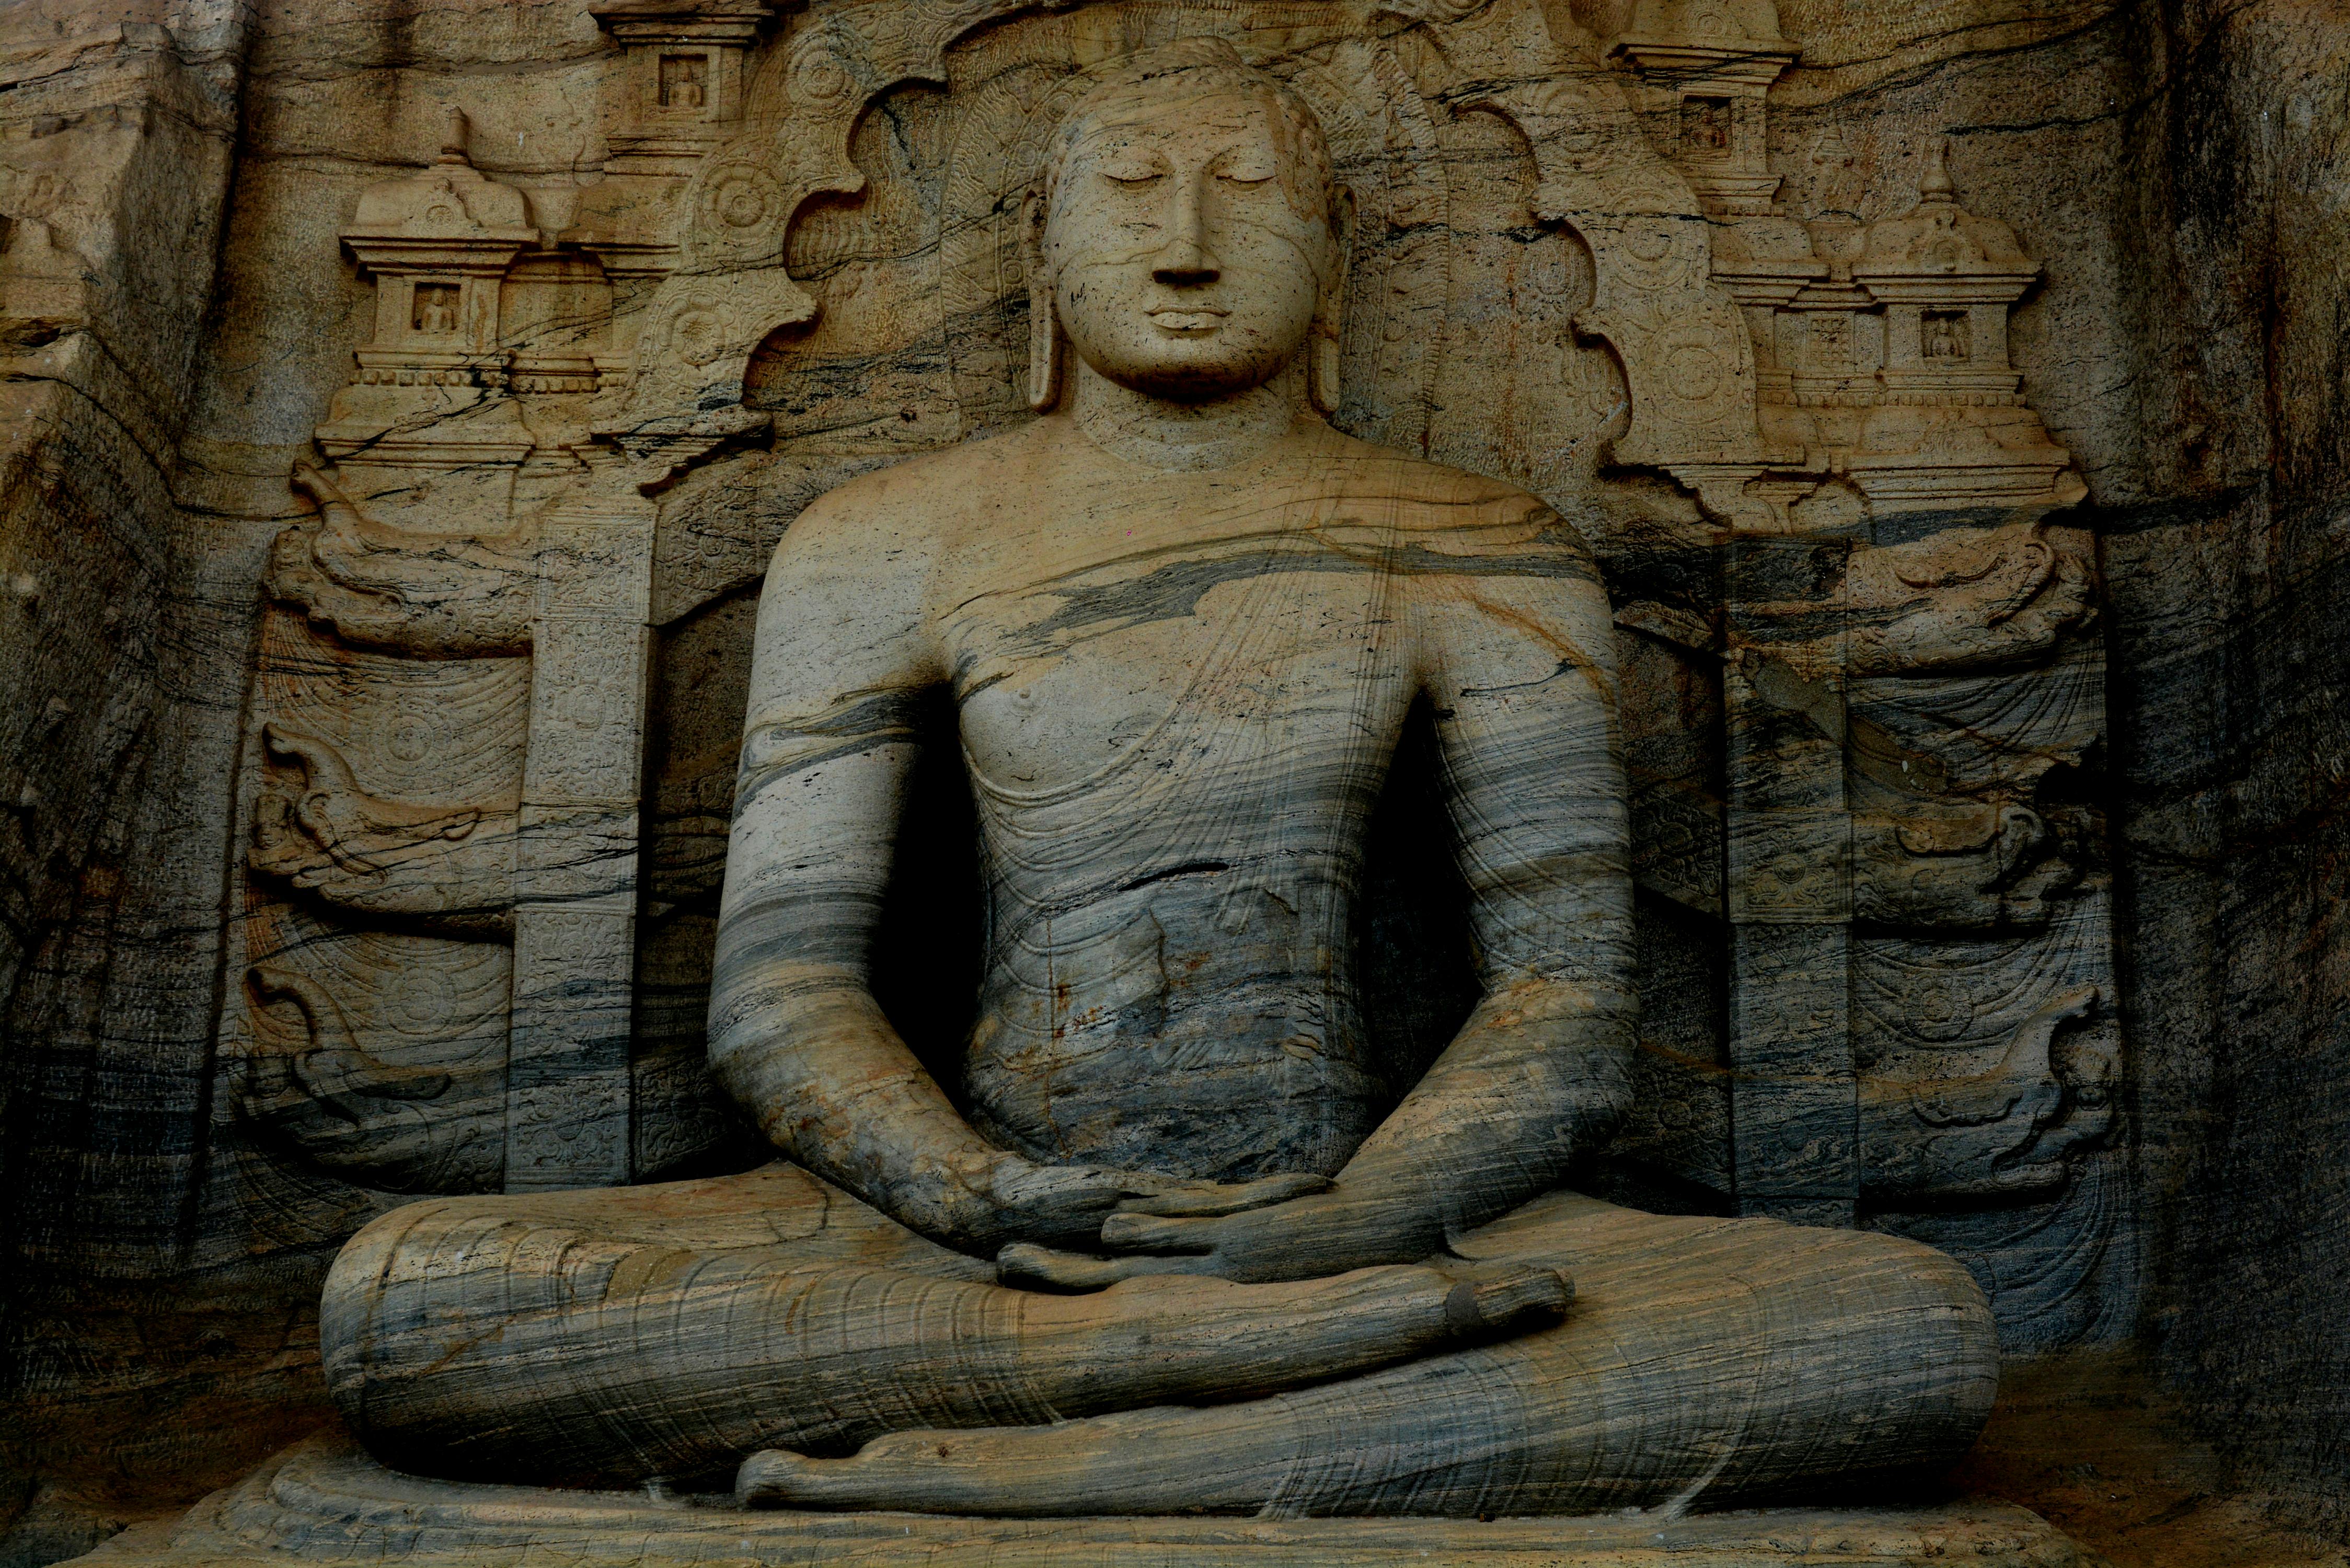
[[1174, 1238]]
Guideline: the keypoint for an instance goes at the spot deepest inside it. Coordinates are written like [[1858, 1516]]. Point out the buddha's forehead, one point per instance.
[[1194, 120], [1179, 114]]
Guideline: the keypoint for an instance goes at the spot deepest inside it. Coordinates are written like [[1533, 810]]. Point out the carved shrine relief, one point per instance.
[[439, 246], [1860, 713], [449, 734], [1713, 65], [682, 78]]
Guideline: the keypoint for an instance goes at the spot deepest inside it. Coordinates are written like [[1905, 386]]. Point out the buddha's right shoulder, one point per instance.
[[915, 504]]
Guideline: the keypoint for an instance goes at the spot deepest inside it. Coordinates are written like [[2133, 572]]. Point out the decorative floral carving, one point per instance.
[[1975, 867], [1962, 599], [2012, 1131]]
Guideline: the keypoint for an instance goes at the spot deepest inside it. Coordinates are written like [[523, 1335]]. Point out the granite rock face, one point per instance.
[[2224, 552], [404, 401]]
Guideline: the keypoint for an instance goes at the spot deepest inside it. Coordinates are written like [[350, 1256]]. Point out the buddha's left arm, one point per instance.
[[1518, 660], [1516, 655]]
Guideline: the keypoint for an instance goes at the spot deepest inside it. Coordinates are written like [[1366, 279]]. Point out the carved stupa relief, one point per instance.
[[1863, 677]]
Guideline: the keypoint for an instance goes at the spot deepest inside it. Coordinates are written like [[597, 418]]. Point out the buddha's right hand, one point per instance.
[[1066, 1203]]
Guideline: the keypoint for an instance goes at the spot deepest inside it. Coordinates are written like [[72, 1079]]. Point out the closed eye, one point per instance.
[[1133, 177]]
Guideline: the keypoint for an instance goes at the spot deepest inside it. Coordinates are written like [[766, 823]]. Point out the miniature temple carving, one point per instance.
[[439, 246]]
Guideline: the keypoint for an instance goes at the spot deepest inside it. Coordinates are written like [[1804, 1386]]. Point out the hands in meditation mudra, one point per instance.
[[1183, 1248]]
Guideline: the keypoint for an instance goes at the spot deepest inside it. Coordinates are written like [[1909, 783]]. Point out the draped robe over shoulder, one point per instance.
[[1175, 718]]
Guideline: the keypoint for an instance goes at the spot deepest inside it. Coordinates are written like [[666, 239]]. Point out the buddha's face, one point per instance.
[[1189, 246]]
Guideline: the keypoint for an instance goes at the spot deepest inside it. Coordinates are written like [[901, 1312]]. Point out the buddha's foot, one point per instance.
[[1166, 1341], [994, 1470], [1193, 1339]]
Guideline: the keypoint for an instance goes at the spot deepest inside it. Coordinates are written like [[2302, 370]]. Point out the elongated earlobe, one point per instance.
[[1044, 328], [1043, 350], [1322, 368], [1325, 349]]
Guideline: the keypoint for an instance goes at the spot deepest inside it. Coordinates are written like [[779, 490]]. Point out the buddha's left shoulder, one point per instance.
[[1448, 507]]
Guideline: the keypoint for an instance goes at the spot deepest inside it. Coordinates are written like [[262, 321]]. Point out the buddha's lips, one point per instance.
[[1187, 318]]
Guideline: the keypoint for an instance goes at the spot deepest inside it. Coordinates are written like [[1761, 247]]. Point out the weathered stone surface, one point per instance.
[[301, 1508]]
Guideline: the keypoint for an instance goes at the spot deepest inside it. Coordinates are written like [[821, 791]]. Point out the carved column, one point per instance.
[[485, 526], [1794, 1144], [568, 1089], [466, 532]]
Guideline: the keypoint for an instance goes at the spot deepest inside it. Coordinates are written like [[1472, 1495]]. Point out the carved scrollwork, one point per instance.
[[2014, 1130], [444, 867], [1961, 601], [1967, 598], [2017, 1130], [328, 1101], [430, 596], [1970, 867]]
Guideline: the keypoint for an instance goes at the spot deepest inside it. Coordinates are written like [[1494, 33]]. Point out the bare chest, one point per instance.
[[1235, 664]]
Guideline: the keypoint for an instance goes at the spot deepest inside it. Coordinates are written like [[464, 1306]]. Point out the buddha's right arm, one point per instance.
[[841, 660]]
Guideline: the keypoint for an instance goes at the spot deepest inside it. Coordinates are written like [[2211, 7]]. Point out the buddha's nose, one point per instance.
[[1185, 259]]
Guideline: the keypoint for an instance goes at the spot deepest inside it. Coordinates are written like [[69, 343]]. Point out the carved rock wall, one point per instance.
[[119, 702], [1953, 387], [2226, 541]]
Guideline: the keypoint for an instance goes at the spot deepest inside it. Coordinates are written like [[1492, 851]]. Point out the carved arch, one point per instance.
[[1688, 362]]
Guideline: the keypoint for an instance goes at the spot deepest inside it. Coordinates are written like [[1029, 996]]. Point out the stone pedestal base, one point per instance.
[[325, 1501]]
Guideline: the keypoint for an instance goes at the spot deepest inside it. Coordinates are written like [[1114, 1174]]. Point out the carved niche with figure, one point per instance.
[[498, 718]]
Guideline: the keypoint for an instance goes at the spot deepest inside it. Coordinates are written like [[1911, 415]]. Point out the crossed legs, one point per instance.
[[1705, 1360], [610, 1337]]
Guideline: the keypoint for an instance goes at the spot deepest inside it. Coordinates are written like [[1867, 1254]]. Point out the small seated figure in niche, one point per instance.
[[436, 315], [681, 81], [1174, 1242], [1705, 127], [1946, 336]]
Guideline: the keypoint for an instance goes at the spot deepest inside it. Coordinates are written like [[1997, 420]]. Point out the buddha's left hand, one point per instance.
[[1319, 1234]]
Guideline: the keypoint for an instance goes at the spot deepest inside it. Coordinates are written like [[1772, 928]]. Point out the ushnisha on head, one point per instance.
[[1188, 238]]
